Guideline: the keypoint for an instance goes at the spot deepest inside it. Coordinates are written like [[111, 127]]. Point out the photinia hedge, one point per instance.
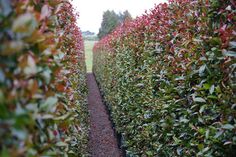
[[169, 79], [42, 80]]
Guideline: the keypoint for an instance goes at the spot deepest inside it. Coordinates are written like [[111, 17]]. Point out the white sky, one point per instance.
[[91, 11]]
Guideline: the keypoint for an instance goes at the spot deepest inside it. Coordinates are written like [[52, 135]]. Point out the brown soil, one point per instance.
[[102, 141]]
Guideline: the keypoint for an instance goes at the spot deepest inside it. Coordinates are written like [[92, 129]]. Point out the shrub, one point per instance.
[[42, 80], [169, 79]]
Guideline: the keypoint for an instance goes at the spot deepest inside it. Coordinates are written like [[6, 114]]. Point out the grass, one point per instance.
[[89, 54]]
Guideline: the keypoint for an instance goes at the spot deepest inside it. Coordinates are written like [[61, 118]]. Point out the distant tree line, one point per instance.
[[87, 33], [111, 20]]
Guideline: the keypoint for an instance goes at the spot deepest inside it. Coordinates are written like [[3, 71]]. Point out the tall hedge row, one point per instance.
[[169, 79], [42, 80]]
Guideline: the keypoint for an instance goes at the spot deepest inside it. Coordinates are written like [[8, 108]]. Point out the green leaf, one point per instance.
[[205, 149], [218, 134], [61, 144], [212, 97], [199, 99], [232, 44], [202, 108], [46, 74], [140, 85], [212, 89], [176, 140], [25, 23], [184, 120], [149, 153], [179, 150], [228, 126], [230, 53], [200, 146], [206, 86], [202, 69], [207, 134], [31, 67], [49, 103]]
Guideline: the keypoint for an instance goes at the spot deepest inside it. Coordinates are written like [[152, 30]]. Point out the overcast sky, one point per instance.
[[91, 11]]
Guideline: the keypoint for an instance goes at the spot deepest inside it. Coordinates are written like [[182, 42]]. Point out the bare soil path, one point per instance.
[[102, 141]]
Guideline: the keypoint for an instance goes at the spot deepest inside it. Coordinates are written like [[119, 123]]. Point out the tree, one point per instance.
[[125, 16], [111, 20]]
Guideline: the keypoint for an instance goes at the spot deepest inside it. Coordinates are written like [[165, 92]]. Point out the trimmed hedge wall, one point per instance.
[[42, 80], [169, 79]]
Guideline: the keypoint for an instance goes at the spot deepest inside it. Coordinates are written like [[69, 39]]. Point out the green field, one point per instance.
[[88, 45]]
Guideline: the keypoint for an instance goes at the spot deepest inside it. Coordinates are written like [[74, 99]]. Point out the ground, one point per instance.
[[102, 140]]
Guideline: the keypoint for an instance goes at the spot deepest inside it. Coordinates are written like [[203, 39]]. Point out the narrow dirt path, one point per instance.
[[102, 141]]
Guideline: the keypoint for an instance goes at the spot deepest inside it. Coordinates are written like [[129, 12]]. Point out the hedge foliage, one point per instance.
[[42, 80], [169, 79]]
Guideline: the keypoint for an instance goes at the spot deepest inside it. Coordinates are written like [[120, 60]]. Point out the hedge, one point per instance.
[[42, 80], [169, 79]]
